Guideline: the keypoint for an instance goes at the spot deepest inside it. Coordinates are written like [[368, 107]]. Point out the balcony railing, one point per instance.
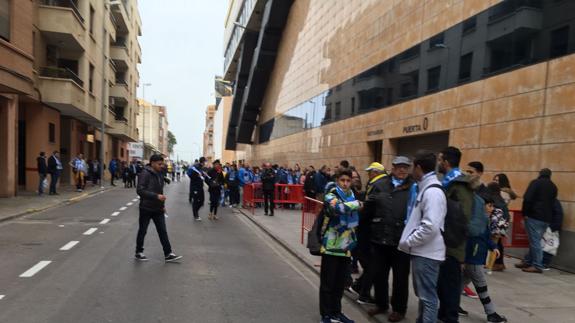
[[65, 4], [121, 118], [61, 73], [508, 7]]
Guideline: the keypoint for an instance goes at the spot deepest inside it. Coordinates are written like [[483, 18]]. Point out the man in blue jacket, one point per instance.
[[112, 168], [321, 179]]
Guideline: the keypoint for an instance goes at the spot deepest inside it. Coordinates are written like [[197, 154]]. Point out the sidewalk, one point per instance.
[[521, 297], [30, 202]]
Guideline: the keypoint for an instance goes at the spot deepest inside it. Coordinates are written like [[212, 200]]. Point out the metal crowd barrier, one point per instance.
[[283, 194]]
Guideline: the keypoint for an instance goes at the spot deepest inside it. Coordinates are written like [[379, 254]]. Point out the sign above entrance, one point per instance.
[[136, 150], [375, 132], [417, 127]]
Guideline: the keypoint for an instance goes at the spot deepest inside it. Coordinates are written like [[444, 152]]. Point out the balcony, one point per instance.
[[121, 15], [61, 23], [62, 90], [120, 93], [121, 129], [112, 73], [120, 55]]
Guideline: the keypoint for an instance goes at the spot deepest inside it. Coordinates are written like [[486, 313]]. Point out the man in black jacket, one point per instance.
[[54, 169], [197, 177], [389, 199], [152, 207], [268, 188], [538, 202], [42, 171]]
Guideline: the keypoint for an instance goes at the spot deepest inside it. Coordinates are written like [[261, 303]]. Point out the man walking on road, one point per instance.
[[54, 169], [42, 171], [268, 187], [538, 202], [197, 178], [152, 207]]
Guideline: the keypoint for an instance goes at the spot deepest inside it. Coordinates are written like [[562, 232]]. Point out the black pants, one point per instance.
[[449, 290], [234, 195], [53, 182], [384, 259], [499, 260], [334, 271], [160, 223], [269, 201], [215, 200], [197, 198], [364, 283], [112, 178]]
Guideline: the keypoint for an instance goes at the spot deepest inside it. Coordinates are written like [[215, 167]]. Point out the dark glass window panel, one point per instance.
[[433, 75], [436, 40], [266, 131], [465, 65], [337, 110], [559, 42], [52, 132], [353, 105], [411, 53], [409, 87], [5, 7], [469, 25]]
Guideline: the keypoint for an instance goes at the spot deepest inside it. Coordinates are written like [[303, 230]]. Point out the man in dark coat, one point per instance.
[[197, 177], [268, 188], [42, 171], [54, 169], [152, 207], [538, 202]]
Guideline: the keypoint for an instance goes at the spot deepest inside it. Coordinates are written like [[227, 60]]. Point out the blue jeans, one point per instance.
[[425, 275], [535, 230]]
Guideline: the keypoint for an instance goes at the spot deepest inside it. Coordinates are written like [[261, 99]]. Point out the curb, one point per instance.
[[306, 263], [55, 205]]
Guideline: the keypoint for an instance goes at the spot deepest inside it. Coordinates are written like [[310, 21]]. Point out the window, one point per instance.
[[436, 40], [353, 105], [559, 42], [92, 14], [52, 132], [5, 10], [409, 88], [337, 110], [469, 25], [121, 152], [433, 75], [409, 54], [91, 80], [465, 67]]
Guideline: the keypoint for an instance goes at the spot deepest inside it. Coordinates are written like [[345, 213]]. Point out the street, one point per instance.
[[230, 272]]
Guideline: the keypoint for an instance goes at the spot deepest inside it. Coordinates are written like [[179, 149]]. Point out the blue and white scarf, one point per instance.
[[352, 220], [397, 182], [449, 177]]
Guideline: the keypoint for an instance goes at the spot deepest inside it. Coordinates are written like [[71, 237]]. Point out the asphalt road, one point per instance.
[[231, 271]]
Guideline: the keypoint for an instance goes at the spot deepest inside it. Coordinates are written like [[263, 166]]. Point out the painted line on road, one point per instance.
[[115, 214], [135, 200], [90, 231], [123, 208], [2, 297], [69, 245], [34, 270], [105, 221], [130, 204]]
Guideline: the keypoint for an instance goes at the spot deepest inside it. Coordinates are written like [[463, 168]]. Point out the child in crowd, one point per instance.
[[475, 255]]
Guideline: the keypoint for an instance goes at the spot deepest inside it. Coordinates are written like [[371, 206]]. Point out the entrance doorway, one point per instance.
[[21, 153], [376, 150], [408, 146]]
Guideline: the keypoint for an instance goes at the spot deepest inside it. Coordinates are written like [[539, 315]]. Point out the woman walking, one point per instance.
[[216, 175]]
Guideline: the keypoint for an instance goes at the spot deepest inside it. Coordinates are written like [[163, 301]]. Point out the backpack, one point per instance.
[[456, 229], [479, 220], [315, 235]]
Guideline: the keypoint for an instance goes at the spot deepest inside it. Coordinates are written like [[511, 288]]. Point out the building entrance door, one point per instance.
[[408, 146], [375, 149]]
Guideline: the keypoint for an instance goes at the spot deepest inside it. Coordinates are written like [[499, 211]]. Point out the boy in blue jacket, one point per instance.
[[475, 256]]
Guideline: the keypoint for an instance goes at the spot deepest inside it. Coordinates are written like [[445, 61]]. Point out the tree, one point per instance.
[[171, 142]]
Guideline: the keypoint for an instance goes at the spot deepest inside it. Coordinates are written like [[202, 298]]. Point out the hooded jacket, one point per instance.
[[539, 199], [459, 189]]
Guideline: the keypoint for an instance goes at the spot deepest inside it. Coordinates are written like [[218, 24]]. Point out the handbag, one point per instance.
[[550, 242]]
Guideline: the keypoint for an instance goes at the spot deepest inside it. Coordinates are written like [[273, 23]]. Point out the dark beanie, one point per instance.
[[156, 157]]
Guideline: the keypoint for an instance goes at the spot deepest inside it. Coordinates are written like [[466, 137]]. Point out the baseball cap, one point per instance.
[[401, 160], [376, 167]]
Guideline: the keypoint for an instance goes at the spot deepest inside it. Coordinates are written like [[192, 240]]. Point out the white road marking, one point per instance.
[[90, 231], [104, 221], [129, 204], [69, 245], [2, 296], [34, 270], [61, 225], [115, 214], [123, 208], [135, 200]]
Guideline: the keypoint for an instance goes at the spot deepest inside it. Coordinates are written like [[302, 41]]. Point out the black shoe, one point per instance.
[[172, 257], [141, 257], [462, 312], [365, 300], [496, 318]]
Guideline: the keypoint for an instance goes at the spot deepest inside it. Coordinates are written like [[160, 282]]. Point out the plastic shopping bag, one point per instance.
[[45, 183], [550, 242]]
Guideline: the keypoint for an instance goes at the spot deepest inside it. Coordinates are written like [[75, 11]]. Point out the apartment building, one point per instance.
[[152, 120], [209, 152], [81, 57], [319, 81]]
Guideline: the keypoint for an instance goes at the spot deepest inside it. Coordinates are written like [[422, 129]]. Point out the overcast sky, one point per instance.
[[182, 43]]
